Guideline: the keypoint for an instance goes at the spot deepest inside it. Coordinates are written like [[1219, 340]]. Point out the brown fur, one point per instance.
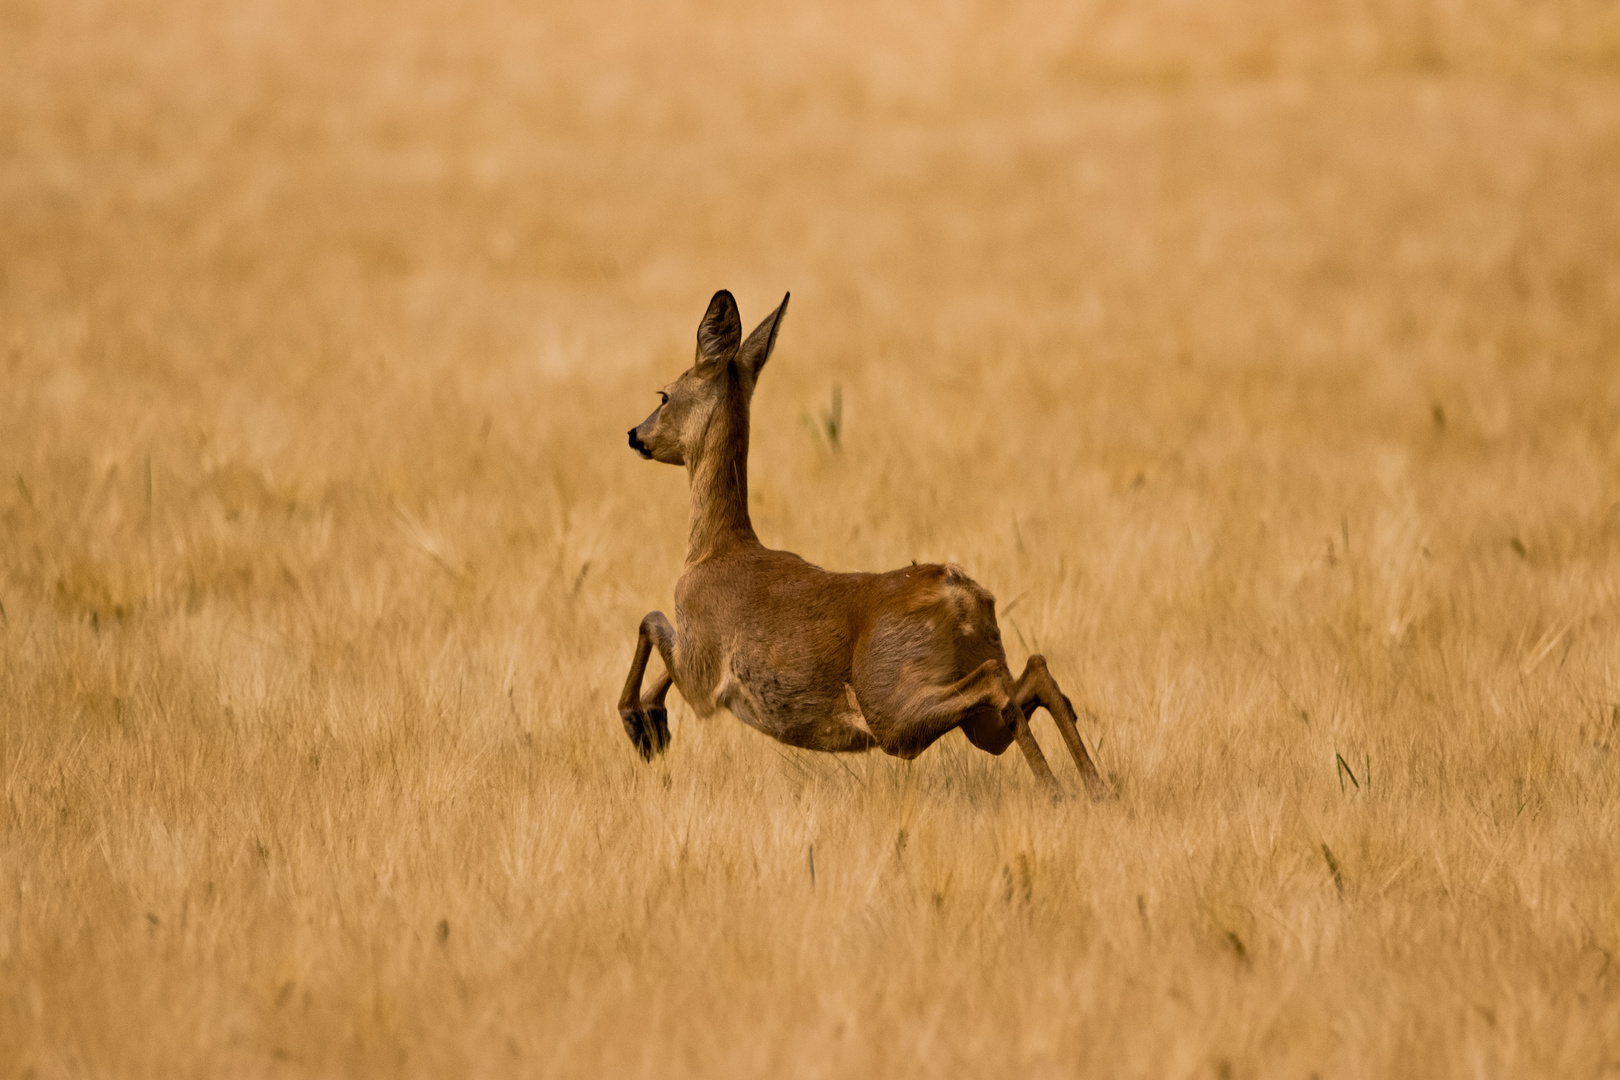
[[824, 661]]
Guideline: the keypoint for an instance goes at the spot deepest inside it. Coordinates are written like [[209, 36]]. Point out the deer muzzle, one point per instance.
[[638, 446]]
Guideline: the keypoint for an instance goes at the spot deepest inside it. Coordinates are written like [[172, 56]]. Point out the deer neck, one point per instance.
[[718, 478]]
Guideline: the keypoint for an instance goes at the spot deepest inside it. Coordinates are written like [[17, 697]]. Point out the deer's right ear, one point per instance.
[[719, 333]]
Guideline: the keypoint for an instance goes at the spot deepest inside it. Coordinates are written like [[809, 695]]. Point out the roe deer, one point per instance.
[[815, 659]]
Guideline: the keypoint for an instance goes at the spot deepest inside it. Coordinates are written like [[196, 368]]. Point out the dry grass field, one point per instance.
[[1263, 359]]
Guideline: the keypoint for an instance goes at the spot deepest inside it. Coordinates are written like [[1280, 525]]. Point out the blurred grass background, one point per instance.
[[1261, 358]]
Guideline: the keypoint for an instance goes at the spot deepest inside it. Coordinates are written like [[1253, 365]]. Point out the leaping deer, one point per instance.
[[824, 661]]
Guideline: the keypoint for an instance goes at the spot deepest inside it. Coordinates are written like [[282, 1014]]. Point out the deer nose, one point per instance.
[[637, 445]]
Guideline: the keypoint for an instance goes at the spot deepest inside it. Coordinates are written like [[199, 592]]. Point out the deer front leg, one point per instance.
[[645, 718], [1036, 689]]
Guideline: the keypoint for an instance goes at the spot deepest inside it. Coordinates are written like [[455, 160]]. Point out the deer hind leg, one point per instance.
[[993, 730], [1015, 719], [645, 718], [915, 713], [907, 712], [1036, 689]]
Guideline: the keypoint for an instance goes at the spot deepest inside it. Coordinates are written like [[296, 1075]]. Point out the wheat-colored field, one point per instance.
[[1263, 359]]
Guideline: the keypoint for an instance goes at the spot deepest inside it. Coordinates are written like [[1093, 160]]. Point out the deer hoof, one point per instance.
[[648, 729], [660, 727]]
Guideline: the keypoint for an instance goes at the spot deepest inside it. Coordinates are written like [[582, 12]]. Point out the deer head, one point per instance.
[[708, 405]]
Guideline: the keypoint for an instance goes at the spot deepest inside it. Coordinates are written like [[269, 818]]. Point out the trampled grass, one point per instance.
[[1264, 363]]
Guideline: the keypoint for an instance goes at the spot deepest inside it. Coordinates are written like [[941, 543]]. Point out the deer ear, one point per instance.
[[718, 333], [757, 349]]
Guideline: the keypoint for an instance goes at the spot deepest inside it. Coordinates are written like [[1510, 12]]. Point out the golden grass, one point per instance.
[[1262, 358]]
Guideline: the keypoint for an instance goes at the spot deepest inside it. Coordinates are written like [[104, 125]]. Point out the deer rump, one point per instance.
[[846, 662]]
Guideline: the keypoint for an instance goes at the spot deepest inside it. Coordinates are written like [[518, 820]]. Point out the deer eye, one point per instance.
[[663, 398]]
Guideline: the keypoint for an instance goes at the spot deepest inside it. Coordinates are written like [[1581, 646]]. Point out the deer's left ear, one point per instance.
[[757, 349]]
